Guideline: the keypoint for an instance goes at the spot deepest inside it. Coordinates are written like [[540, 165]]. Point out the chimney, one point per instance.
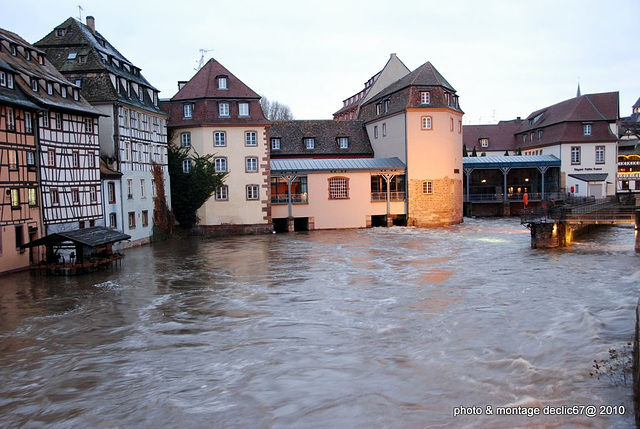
[[91, 23]]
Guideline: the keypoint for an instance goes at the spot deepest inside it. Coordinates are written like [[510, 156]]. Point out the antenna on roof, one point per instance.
[[80, 9], [201, 62]]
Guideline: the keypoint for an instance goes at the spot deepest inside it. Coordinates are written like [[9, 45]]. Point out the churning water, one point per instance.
[[376, 328]]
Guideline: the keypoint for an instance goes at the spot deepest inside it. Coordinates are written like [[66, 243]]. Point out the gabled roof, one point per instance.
[[204, 85], [26, 70], [334, 165], [588, 107], [425, 75], [326, 133]]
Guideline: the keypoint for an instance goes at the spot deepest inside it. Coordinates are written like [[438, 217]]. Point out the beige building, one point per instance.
[[216, 113]]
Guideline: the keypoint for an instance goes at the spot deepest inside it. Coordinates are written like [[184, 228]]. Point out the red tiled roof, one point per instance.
[[204, 85]]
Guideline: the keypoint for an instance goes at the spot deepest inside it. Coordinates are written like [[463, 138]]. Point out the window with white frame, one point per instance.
[[54, 195], [243, 109], [91, 160], [384, 129], [187, 112], [253, 192], [3, 79], [343, 142], [31, 159], [34, 84], [11, 119], [484, 142], [386, 105], [49, 88], [378, 108], [75, 159], [251, 138], [132, 220], [222, 82], [88, 125], [219, 138], [309, 142], [586, 129], [223, 109], [425, 97], [113, 220], [427, 187], [222, 193], [220, 164], [186, 166], [599, 154], [143, 188], [93, 194], [275, 144], [338, 188], [575, 155], [539, 135], [9, 81], [75, 196], [51, 157], [252, 165], [185, 139], [426, 123], [130, 189]]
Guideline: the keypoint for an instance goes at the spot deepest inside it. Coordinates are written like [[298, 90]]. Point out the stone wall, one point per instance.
[[442, 207]]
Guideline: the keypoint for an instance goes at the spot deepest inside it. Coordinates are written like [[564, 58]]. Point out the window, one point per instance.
[[252, 165], [132, 220], [451, 124], [459, 127], [219, 138], [186, 166], [55, 196], [31, 160], [78, 83], [13, 159], [3, 79], [76, 94], [253, 192], [586, 129], [425, 97], [34, 84], [386, 106], [243, 109], [11, 119], [599, 154], [19, 236], [220, 165], [378, 108], [251, 138], [575, 155], [343, 142], [111, 192], [91, 161], [222, 193], [384, 129], [88, 125], [75, 196], [129, 189], [427, 187], [338, 188], [447, 98], [141, 93], [15, 198], [426, 122], [33, 197], [75, 159], [484, 142], [49, 88], [185, 139], [60, 32], [28, 122], [63, 91], [187, 112], [275, 144], [93, 194], [45, 120], [539, 135], [143, 188], [222, 82], [51, 157], [375, 131], [309, 142], [134, 119], [113, 220], [223, 109], [145, 217]]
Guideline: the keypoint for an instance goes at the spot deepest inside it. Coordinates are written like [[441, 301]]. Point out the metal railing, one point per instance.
[[583, 210], [534, 196], [284, 199], [382, 196]]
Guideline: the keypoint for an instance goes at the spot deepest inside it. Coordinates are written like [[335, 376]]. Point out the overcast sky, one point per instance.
[[504, 58]]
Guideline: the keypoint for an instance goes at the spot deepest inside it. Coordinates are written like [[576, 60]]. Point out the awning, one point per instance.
[[93, 237], [590, 177]]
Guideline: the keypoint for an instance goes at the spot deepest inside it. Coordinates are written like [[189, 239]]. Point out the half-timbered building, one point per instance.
[[67, 139], [132, 127], [19, 191]]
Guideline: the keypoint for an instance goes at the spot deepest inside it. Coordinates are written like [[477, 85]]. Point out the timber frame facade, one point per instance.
[[133, 128], [65, 136]]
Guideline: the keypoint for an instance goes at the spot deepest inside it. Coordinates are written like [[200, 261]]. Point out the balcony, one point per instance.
[[295, 199], [382, 196]]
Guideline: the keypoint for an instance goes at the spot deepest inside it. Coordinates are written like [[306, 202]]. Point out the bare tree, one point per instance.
[[275, 111]]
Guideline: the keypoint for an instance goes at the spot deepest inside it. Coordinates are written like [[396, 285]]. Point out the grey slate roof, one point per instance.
[[309, 165], [510, 161], [94, 237]]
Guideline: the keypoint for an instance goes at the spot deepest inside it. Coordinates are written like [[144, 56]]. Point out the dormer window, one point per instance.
[[425, 97], [60, 32], [141, 93], [378, 108], [223, 109], [72, 55], [343, 142], [34, 84], [586, 129], [3, 79], [14, 50], [49, 88], [539, 135], [27, 55], [386, 105], [76, 95], [447, 98], [309, 142], [243, 109], [222, 82], [82, 59], [484, 142]]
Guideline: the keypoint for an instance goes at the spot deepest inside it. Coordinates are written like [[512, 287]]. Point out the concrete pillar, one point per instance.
[[545, 236], [291, 224], [637, 230]]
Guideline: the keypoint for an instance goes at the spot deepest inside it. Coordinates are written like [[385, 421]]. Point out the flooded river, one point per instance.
[[375, 328]]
